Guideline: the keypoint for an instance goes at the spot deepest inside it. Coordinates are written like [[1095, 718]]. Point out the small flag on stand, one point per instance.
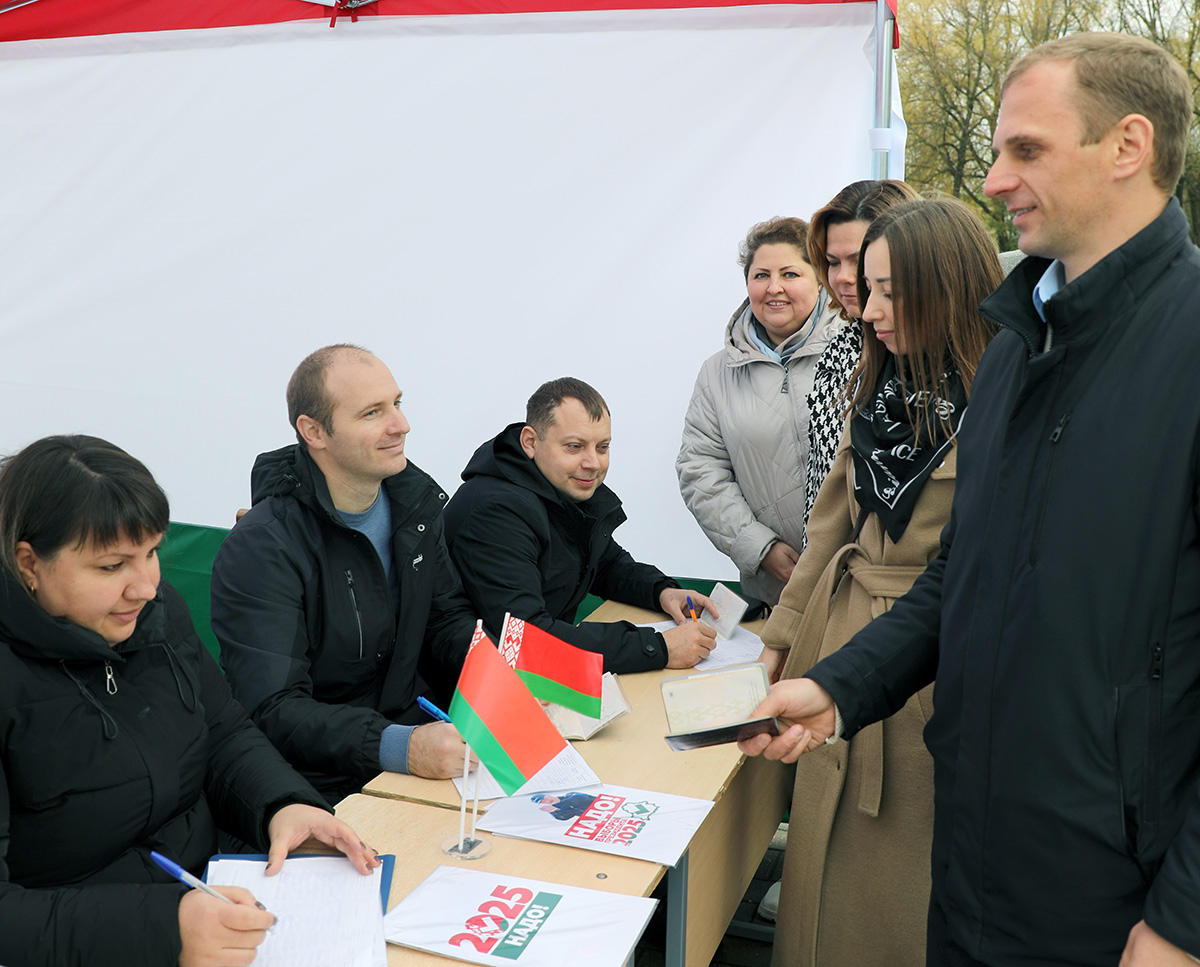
[[500, 720], [552, 669]]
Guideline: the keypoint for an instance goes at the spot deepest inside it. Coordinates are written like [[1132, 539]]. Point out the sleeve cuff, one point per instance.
[[838, 726], [393, 748]]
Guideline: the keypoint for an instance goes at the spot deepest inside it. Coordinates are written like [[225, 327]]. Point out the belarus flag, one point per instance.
[[554, 670], [498, 718]]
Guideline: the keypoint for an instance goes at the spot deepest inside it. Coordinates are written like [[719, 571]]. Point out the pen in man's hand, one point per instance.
[[691, 608], [432, 710]]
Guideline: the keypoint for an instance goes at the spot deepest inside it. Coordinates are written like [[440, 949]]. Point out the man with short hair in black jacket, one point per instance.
[[531, 532], [333, 598], [1062, 617]]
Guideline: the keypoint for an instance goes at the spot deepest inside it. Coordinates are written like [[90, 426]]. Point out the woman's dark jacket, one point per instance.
[[96, 777]]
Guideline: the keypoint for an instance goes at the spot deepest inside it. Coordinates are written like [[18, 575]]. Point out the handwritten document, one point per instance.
[[742, 646], [329, 913]]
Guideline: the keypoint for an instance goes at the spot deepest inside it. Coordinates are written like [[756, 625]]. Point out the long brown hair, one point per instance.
[[859, 201], [943, 264]]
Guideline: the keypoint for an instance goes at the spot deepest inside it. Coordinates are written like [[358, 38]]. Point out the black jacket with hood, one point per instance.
[[107, 753], [522, 547], [310, 639], [1062, 620]]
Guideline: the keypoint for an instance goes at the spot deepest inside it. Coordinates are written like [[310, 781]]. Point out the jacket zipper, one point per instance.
[[110, 680], [357, 616], [1055, 436], [1154, 725]]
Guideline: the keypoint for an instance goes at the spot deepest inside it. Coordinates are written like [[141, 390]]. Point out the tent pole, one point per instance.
[[881, 134]]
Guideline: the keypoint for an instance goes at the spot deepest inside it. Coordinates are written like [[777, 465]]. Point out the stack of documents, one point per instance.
[[328, 912]]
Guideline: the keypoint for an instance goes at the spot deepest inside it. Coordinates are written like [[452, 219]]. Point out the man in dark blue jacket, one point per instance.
[[333, 598], [1062, 616], [531, 532]]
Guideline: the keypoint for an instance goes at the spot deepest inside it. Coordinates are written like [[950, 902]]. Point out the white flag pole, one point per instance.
[[462, 813], [475, 810]]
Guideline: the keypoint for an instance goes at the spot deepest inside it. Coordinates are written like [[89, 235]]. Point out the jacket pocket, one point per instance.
[[1137, 723], [1047, 481]]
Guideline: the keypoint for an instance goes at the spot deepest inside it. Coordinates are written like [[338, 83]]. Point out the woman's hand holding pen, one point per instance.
[[216, 933]]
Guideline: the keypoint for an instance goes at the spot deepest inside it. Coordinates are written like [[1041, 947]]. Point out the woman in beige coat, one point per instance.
[[856, 872]]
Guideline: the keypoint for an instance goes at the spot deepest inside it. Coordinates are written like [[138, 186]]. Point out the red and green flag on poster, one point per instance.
[[554, 670], [500, 720]]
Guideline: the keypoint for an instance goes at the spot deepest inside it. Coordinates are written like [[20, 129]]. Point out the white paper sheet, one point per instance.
[[328, 912], [741, 647], [567, 770], [731, 607], [492, 918], [653, 826]]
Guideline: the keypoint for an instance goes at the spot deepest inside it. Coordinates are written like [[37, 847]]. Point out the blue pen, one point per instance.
[[430, 709], [691, 608], [183, 876]]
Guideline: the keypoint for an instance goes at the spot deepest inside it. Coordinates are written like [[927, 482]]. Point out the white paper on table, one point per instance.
[[493, 918], [328, 912], [741, 647], [655, 826], [567, 770]]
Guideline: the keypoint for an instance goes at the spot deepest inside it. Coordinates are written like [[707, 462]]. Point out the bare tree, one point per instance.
[[952, 58]]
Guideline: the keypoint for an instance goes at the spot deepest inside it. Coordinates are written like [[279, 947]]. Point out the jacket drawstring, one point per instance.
[[179, 670], [287, 483], [110, 724]]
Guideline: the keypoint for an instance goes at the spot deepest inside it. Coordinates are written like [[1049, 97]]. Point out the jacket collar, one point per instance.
[[1085, 306], [741, 346], [291, 472], [34, 633]]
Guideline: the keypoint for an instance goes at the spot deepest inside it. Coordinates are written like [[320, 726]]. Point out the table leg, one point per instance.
[[675, 954]]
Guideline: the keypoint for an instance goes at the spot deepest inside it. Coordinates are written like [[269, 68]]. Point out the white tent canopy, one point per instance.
[[485, 200]]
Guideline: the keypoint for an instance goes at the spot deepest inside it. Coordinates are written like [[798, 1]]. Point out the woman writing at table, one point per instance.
[[856, 870], [118, 735]]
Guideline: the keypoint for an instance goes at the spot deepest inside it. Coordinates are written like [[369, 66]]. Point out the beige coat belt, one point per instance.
[[884, 583]]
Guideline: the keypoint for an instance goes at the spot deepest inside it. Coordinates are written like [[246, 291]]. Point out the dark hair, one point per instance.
[[1117, 75], [539, 411], [859, 201], [76, 490], [306, 394], [774, 231], [943, 264]]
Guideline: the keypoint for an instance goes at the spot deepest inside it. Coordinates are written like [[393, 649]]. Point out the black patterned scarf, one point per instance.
[[891, 464]]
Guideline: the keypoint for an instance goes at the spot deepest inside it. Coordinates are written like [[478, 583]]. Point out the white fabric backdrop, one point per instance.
[[486, 202]]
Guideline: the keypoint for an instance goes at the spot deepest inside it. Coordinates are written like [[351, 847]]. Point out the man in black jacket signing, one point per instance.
[[1062, 616], [333, 598], [531, 532]]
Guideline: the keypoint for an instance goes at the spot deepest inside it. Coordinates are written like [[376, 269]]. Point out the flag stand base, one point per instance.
[[466, 848]]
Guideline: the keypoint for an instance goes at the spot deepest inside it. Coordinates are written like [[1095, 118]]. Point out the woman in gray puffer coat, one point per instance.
[[745, 454]]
